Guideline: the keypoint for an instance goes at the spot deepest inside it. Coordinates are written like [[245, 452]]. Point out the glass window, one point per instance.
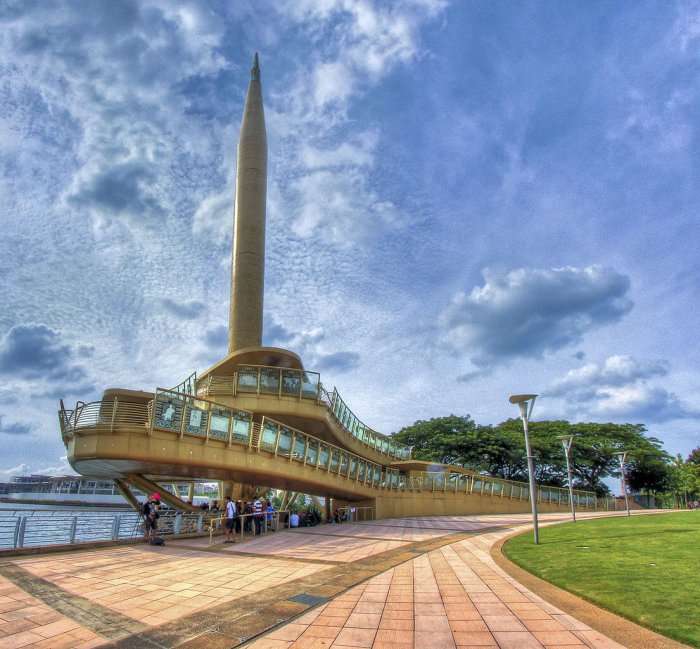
[[291, 382], [362, 468], [324, 456], [312, 452], [353, 467], [335, 458], [299, 447], [220, 421], [309, 385], [269, 436], [344, 462], [269, 380], [196, 421], [168, 412], [284, 445], [247, 379], [241, 429]]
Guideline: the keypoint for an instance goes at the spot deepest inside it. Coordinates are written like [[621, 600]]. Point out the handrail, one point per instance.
[[188, 386], [286, 441], [294, 383], [216, 523], [368, 436], [216, 423]]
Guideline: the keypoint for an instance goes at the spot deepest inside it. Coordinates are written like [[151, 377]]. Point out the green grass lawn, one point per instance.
[[645, 568]]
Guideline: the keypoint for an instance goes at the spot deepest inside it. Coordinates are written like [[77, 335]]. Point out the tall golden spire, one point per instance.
[[248, 262]]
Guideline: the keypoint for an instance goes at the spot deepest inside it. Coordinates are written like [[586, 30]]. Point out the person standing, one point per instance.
[[230, 519], [258, 515], [150, 517]]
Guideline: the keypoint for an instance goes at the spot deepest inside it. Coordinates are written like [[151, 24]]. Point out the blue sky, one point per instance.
[[466, 199]]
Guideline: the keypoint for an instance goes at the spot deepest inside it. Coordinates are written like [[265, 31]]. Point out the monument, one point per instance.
[[258, 418]]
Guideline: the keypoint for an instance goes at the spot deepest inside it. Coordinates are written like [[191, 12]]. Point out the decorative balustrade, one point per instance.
[[352, 424], [187, 415], [26, 528], [300, 384]]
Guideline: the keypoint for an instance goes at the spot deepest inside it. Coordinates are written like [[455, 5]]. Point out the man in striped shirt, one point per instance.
[[230, 519], [258, 518]]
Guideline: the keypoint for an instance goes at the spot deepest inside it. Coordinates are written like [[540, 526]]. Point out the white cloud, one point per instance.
[[20, 469], [612, 372], [619, 388], [527, 312], [341, 206]]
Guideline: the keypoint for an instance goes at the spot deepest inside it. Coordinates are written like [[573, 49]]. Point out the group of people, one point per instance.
[[247, 516]]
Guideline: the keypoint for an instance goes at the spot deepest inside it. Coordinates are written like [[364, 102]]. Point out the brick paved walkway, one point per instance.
[[453, 597], [430, 587]]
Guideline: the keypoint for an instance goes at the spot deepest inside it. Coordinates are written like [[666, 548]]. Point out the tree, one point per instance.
[[694, 457], [684, 480], [500, 450]]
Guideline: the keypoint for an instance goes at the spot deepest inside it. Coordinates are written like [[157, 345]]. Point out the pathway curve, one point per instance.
[[452, 597], [414, 583]]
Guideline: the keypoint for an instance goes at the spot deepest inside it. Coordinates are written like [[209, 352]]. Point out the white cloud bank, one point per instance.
[[528, 312]]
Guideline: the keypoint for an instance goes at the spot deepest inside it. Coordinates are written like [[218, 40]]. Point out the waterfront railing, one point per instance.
[[21, 529], [301, 384], [186, 415]]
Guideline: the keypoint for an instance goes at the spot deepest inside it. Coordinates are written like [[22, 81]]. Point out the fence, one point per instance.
[[301, 384], [356, 514], [186, 415], [245, 523], [35, 528]]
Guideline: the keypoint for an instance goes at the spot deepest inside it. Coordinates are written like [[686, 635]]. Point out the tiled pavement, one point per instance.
[[453, 596]]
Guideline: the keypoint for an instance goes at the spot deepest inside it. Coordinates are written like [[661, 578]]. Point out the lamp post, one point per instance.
[[622, 456], [523, 400], [566, 442]]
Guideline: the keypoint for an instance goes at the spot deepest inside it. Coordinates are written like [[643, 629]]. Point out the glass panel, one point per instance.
[[219, 425], [284, 445], [334, 460], [196, 421], [477, 484], [291, 382], [344, 464], [361, 475], [241, 429], [269, 380], [309, 385], [353, 467], [269, 435], [497, 488], [299, 447], [168, 412], [324, 456], [247, 379], [377, 478], [312, 452]]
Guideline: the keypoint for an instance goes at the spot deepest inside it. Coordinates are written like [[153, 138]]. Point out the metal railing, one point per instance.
[[188, 386], [26, 528], [245, 523], [352, 514], [301, 384], [262, 379], [369, 437], [189, 415], [296, 446], [185, 415]]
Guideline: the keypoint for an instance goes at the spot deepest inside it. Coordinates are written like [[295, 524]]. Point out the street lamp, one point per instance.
[[622, 456], [566, 442], [523, 400]]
